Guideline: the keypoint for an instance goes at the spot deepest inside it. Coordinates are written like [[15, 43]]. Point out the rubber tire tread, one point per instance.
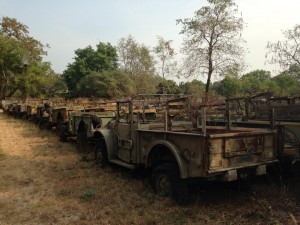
[[101, 146], [179, 186], [62, 135]]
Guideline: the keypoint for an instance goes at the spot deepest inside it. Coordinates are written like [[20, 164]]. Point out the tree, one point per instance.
[[231, 86], [257, 81], [11, 58], [135, 59], [22, 70], [212, 39], [294, 72], [285, 84], [88, 60], [108, 84], [285, 53], [94, 84], [166, 65], [165, 54], [41, 81], [195, 88], [53, 86], [217, 88], [13, 29], [121, 85], [167, 87]]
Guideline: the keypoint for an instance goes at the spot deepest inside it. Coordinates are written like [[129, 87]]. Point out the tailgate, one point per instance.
[[240, 151]]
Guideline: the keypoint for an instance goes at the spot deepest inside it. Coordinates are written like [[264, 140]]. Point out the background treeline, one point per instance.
[[130, 68], [22, 69]]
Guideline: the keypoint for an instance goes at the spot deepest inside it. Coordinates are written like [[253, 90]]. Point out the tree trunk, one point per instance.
[[210, 71], [208, 82], [207, 88], [2, 92], [3, 88]]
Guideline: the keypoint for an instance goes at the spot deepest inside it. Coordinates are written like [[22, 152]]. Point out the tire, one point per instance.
[[82, 142], [167, 182], [82, 139], [58, 129], [59, 124], [101, 156], [43, 124], [63, 137]]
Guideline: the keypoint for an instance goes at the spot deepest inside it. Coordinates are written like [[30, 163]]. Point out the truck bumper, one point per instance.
[[231, 174]]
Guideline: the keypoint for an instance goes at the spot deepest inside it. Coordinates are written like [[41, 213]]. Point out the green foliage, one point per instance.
[[120, 85], [11, 58], [106, 84], [93, 85], [228, 87], [88, 60], [257, 81], [88, 195], [217, 88], [294, 71], [195, 87], [39, 80], [167, 87], [22, 71], [33, 49], [285, 83]]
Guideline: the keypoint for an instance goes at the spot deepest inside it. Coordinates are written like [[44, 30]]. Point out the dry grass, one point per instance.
[[44, 181]]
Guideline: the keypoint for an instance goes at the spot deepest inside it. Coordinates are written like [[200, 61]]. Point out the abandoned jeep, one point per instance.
[[173, 152]]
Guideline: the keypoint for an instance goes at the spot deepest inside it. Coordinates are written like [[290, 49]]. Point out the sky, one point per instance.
[[67, 25]]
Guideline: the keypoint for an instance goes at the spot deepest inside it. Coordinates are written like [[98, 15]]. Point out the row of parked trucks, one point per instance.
[[176, 140]]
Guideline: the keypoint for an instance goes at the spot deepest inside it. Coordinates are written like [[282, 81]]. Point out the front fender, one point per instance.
[[176, 153], [109, 138]]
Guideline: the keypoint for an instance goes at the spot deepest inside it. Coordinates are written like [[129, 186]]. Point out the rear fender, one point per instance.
[[175, 152]]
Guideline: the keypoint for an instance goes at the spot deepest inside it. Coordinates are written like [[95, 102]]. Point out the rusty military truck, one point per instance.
[[263, 110], [175, 150]]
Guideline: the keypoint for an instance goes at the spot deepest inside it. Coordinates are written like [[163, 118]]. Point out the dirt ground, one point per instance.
[[44, 181]]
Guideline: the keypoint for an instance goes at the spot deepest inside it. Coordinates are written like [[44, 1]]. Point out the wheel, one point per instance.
[[163, 184], [167, 182], [43, 124], [58, 129], [63, 133], [82, 139], [82, 142], [101, 155]]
